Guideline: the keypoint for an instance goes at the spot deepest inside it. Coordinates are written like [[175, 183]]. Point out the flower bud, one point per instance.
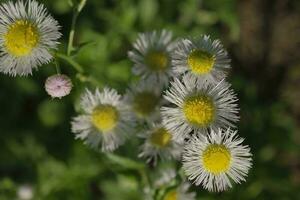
[[58, 85]]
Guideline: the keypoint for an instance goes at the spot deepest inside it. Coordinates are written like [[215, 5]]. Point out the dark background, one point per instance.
[[38, 150]]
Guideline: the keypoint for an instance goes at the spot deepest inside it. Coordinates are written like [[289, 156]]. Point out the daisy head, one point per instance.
[[159, 143], [144, 99], [201, 58], [216, 160], [198, 107], [165, 177], [105, 123], [180, 192], [58, 85], [168, 181], [152, 55], [27, 34]]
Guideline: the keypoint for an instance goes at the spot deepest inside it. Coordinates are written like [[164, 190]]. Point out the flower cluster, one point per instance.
[[181, 108]]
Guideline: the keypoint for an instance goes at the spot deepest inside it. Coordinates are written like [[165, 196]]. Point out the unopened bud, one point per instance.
[[58, 85]]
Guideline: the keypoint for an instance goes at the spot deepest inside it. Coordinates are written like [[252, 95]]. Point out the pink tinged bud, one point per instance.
[[58, 85]]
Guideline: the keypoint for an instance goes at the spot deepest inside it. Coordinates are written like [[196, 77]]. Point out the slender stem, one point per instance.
[[72, 32], [144, 177], [73, 63], [94, 81], [57, 67], [125, 162]]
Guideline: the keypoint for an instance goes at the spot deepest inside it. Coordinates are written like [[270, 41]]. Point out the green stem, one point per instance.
[[57, 67], [94, 81], [125, 162], [72, 32], [73, 63], [145, 177]]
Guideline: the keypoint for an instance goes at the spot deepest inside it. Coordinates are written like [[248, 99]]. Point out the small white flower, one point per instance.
[[144, 99], [215, 160], [58, 85], [159, 143], [202, 58], [170, 189], [180, 193], [165, 177], [198, 107], [27, 34], [106, 122], [25, 192], [152, 56]]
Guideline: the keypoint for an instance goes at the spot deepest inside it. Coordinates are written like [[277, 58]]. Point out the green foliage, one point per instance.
[[37, 147]]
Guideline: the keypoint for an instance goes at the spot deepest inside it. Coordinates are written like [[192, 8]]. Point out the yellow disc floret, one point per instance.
[[144, 103], [172, 195], [105, 117], [199, 110], [21, 37], [216, 158], [157, 60], [200, 62], [160, 137]]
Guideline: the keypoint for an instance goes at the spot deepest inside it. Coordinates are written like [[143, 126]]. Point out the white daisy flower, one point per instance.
[[215, 160], [203, 58], [180, 193], [152, 55], [144, 99], [106, 122], [27, 34], [198, 107], [159, 143]]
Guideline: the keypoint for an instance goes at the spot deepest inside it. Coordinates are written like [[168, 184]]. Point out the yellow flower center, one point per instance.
[[172, 195], [200, 62], [160, 137], [216, 158], [105, 117], [199, 110], [144, 103], [21, 37], [157, 60]]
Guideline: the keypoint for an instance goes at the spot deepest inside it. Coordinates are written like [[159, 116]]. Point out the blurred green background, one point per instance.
[[38, 151]]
